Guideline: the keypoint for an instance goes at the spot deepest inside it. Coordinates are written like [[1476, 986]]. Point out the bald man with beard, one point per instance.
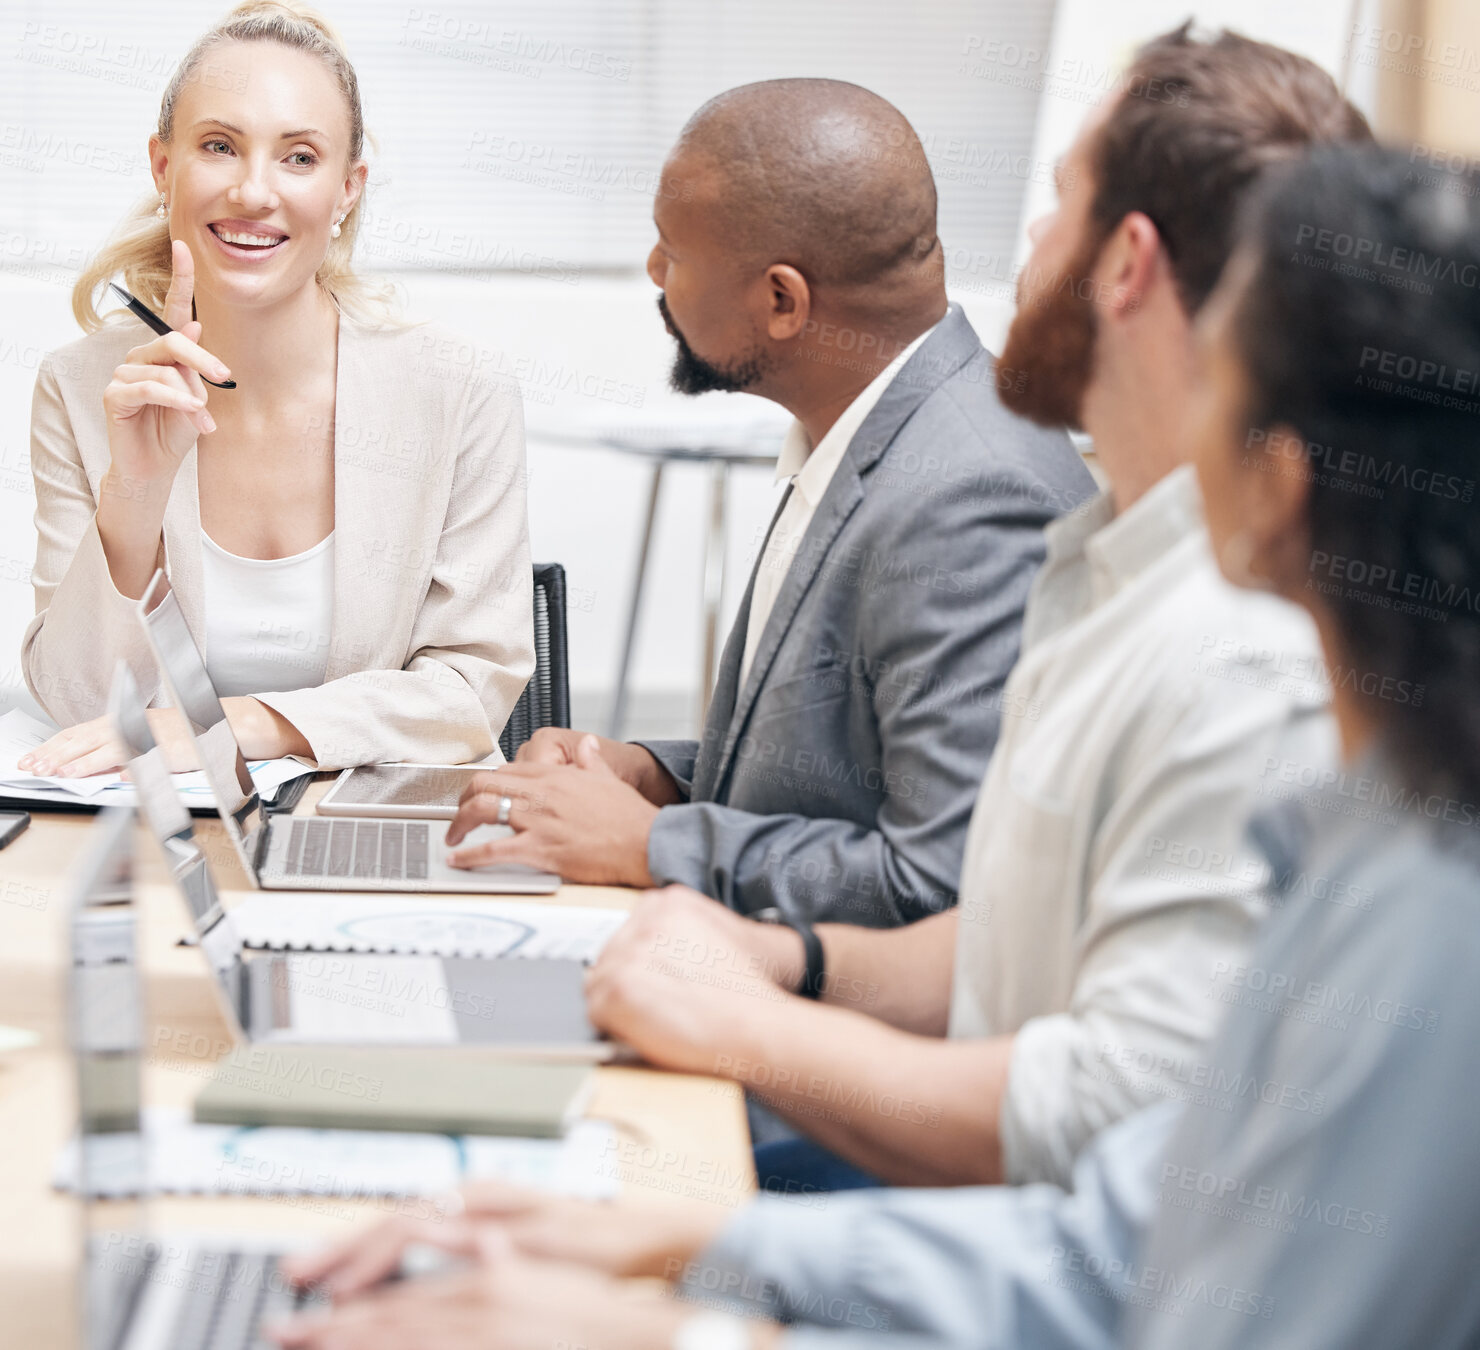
[[860, 692]]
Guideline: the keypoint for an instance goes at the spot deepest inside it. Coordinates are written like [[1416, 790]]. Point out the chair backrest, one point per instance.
[[545, 701]]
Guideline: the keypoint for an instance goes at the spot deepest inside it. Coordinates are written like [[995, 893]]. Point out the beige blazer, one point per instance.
[[432, 639]]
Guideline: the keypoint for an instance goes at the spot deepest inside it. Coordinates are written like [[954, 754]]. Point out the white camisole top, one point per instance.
[[267, 620]]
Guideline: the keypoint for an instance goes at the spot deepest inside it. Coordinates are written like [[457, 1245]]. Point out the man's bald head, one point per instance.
[[820, 174]]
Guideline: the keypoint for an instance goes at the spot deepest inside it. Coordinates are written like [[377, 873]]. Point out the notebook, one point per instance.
[[411, 1091]]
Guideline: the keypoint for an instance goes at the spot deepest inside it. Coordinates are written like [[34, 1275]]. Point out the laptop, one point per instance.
[[138, 1290], [309, 853], [521, 1005]]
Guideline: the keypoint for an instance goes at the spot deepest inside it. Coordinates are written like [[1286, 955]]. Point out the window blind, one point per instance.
[[519, 136]]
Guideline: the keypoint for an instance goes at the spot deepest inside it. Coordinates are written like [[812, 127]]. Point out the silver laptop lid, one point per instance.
[[105, 1014], [171, 825], [104, 999], [190, 689]]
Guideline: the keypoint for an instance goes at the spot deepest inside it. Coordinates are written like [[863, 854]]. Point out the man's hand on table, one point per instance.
[[580, 819], [635, 766], [684, 979]]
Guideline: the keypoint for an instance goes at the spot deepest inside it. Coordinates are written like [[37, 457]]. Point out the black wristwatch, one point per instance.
[[816, 973]]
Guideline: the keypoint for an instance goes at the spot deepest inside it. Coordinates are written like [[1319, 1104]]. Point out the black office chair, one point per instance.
[[545, 701]]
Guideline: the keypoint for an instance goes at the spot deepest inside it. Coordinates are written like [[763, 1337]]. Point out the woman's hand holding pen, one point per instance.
[[156, 410], [156, 402]]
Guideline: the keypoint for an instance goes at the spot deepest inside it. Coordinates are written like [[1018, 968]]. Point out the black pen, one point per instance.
[[144, 314]]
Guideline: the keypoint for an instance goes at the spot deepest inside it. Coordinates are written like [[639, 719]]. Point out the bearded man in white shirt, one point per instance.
[[1106, 876]]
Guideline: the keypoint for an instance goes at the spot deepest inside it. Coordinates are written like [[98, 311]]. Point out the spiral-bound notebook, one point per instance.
[[451, 926]]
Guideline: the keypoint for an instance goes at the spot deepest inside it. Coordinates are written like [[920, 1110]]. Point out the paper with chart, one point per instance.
[[20, 732], [181, 1157], [282, 921]]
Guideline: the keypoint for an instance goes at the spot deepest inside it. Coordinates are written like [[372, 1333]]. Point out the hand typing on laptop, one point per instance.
[[506, 1300], [545, 1264]]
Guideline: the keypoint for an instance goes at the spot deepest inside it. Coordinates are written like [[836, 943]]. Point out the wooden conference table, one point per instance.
[[681, 1137]]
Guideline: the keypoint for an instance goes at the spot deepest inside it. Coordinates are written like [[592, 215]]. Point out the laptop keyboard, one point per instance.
[[225, 1297], [387, 850], [228, 1297]]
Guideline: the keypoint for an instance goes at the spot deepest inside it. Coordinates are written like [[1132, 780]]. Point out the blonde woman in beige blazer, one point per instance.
[[374, 450]]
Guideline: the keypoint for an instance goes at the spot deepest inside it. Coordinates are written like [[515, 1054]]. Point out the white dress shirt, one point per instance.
[[809, 469], [1106, 872], [267, 619]]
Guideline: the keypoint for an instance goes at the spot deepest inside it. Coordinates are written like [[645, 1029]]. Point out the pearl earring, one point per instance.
[[334, 229], [162, 210]]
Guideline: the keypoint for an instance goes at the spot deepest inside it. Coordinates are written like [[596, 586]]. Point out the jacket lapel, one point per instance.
[[950, 347], [182, 547], [362, 514]]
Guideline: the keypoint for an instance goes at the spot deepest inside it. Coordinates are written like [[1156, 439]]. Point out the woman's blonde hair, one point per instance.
[[141, 247]]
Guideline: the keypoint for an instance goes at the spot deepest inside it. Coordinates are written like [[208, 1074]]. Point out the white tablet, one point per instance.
[[399, 791]]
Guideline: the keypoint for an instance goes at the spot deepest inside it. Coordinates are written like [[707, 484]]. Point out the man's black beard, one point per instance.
[[692, 374]]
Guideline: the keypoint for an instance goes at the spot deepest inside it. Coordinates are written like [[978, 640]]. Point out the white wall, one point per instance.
[[1093, 40]]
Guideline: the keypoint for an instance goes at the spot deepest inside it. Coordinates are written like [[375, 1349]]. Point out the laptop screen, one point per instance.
[[191, 690], [171, 825]]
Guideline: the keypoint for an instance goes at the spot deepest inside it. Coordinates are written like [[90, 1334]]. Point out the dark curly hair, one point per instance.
[[1360, 330]]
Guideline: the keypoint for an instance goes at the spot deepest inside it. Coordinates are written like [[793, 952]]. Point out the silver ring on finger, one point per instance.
[[505, 805]]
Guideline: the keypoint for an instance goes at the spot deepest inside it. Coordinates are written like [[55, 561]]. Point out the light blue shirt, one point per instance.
[[1321, 1188]]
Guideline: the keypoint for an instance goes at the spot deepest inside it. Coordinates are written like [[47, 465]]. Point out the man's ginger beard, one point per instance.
[[1049, 355]]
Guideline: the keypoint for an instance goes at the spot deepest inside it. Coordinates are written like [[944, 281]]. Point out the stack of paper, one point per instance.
[[183, 1158], [20, 733]]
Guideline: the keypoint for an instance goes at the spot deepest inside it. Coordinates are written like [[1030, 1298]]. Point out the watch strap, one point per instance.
[[814, 976], [813, 981]]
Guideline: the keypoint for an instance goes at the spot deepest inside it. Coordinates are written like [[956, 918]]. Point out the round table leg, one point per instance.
[[714, 581], [634, 608]]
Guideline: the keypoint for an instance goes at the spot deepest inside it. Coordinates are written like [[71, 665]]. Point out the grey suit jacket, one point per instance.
[[838, 782]]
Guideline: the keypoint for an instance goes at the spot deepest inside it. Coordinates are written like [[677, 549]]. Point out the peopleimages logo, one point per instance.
[[1287, 993], [1232, 1191], [1210, 1079], [1375, 792], [1358, 248], [1154, 1286]]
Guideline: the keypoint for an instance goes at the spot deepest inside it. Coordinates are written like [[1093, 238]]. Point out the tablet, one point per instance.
[[398, 791]]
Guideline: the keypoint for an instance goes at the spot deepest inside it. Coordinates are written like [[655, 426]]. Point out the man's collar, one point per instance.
[[795, 448], [813, 467], [1120, 547]]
